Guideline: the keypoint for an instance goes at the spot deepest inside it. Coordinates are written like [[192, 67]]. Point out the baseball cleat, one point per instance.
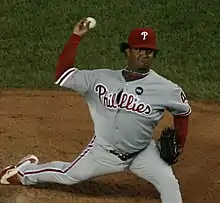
[[27, 160], [9, 176]]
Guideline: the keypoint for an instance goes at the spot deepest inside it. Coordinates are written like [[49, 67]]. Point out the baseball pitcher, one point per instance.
[[125, 105]]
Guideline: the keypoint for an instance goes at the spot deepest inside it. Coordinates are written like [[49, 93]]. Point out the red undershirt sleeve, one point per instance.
[[66, 59], [181, 126], [67, 75], [179, 107]]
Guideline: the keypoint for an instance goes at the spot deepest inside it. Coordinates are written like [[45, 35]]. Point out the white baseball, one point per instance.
[[92, 21]]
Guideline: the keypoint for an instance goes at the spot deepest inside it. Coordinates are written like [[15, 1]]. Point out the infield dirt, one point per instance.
[[56, 125]]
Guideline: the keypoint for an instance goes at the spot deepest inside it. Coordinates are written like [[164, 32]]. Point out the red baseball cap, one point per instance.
[[142, 38]]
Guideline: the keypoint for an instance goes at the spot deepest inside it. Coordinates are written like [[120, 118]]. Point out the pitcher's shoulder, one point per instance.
[[161, 80], [106, 72]]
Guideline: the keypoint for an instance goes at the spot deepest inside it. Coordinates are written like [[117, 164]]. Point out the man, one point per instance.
[[125, 105]]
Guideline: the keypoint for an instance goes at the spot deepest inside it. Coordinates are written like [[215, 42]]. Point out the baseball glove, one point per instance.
[[167, 146]]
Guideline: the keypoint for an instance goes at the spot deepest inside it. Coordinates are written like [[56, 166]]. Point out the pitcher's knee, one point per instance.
[[168, 182], [73, 177], [66, 179]]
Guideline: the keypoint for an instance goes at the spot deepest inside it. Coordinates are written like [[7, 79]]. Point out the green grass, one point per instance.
[[33, 34]]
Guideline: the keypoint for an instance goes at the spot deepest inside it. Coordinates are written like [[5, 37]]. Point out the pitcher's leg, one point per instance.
[[59, 172], [67, 173], [92, 162], [149, 166]]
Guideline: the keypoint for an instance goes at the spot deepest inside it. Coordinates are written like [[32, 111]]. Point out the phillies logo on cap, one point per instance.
[[144, 35], [142, 38]]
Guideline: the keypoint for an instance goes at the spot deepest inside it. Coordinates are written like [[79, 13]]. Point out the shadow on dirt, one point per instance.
[[99, 188]]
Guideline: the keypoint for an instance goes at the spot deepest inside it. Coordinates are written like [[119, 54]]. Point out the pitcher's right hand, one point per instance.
[[81, 28]]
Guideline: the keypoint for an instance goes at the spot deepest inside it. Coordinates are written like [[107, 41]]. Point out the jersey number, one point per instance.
[[183, 97]]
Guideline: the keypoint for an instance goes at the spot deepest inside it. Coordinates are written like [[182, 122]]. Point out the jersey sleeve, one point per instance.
[[177, 103], [79, 80]]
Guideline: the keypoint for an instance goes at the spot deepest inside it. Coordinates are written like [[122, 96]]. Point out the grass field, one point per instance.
[[34, 32]]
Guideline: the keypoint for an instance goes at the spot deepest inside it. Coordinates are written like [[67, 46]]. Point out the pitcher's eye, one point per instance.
[[147, 51]]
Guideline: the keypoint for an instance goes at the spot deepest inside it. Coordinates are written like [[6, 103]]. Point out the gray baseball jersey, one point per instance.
[[125, 114]]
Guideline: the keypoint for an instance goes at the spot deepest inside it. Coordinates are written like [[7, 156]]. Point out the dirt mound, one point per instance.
[[57, 126]]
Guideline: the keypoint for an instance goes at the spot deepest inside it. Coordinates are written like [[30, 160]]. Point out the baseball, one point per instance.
[[92, 21]]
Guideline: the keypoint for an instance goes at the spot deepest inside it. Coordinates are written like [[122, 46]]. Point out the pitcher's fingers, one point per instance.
[[87, 24], [81, 22]]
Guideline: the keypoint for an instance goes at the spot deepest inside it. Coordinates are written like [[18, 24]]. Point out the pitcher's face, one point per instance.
[[140, 60]]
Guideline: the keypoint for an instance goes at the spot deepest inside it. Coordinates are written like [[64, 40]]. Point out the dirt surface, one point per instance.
[[57, 126]]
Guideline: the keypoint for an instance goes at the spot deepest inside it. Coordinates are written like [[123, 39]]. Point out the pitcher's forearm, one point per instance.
[[67, 57]]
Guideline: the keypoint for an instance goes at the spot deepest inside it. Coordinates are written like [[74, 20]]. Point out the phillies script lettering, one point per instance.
[[129, 102]]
